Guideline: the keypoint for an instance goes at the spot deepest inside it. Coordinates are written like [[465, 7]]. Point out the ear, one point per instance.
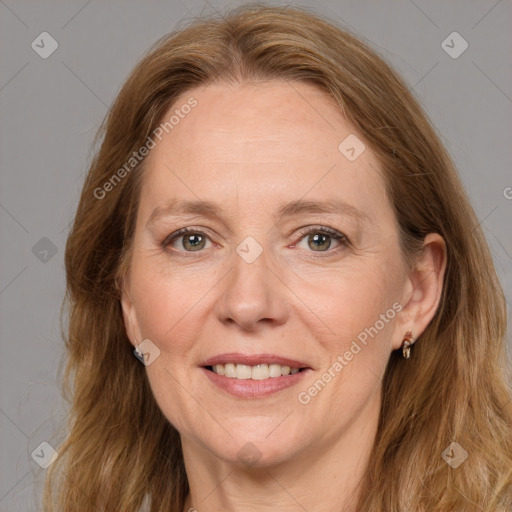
[[423, 290], [131, 323]]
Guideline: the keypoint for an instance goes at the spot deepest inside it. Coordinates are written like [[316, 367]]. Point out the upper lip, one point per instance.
[[254, 359]]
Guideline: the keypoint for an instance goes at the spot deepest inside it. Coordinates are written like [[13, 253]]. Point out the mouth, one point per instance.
[[254, 375], [254, 366], [261, 371]]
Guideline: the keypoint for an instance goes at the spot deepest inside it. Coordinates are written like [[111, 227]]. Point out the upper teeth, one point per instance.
[[258, 372]]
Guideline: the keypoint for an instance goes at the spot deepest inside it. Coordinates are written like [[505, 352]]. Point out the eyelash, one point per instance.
[[336, 235]]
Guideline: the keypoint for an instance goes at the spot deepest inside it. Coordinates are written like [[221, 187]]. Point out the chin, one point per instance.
[[256, 447]]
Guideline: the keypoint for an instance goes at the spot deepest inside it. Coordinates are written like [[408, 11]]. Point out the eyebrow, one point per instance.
[[293, 208], [335, 206]]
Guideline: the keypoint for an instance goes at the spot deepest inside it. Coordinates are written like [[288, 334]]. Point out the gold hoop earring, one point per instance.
[[406, 345]]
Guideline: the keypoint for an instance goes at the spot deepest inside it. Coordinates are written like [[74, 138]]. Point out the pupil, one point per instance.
[[194, 241], [322, 238]]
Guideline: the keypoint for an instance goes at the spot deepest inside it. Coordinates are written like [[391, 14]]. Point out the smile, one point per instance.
[[253, 375], [257, 372]]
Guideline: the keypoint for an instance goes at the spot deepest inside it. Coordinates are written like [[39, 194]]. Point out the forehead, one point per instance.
[[272, 119], [258, 142]]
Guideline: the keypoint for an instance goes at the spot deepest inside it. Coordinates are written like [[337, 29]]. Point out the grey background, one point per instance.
[[51, 108]]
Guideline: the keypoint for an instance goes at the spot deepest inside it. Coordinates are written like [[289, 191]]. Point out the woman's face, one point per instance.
[[292, 260]]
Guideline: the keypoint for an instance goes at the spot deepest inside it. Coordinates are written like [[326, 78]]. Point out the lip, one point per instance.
[[248, 388], [254, 359]]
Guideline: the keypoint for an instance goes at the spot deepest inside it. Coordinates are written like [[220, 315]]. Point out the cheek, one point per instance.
[[167, 303], [349, 300], [358, 311], [359, 306], [168, 306]]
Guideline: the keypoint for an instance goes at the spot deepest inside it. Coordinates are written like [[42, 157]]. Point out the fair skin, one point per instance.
[[251, 148]]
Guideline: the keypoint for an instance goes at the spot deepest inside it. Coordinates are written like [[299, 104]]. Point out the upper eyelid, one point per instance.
[[178, 234], [302, 232], [184, 209], [333, 233], [324, 229]]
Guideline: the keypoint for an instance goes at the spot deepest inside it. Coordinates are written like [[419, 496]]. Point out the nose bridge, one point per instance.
[[252, 292]]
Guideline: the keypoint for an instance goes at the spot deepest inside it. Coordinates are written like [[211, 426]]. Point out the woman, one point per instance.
[[273, 227]]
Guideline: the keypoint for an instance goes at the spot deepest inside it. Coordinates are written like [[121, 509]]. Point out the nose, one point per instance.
[[253, 294]]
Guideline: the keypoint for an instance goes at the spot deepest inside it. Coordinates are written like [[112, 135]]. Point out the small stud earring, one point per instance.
[[138, 354], [406, 345]]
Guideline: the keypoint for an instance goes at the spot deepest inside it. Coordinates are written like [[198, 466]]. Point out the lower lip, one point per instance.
[[249, 388]]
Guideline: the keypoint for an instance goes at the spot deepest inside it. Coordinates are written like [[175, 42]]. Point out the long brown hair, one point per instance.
[[120, 449]]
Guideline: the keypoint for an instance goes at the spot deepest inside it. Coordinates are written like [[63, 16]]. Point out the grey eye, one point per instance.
[[193, 241], [319, 241]]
